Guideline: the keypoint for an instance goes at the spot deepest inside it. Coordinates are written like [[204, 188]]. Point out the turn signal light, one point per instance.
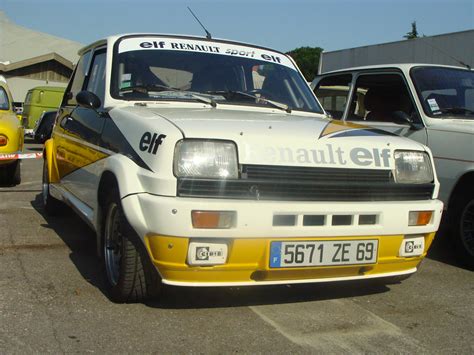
[[213, 219], [419, 218], [3, 140]]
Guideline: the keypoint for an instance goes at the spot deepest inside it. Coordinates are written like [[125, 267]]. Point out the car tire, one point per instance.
[[11, 174], [130, 275], [51, 205], [14, 173], [462, 223]]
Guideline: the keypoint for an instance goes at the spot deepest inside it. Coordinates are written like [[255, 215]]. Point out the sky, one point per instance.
[[280, 24]]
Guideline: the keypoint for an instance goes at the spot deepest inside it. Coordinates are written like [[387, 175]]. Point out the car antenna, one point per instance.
[[208, 34], [447, 54]]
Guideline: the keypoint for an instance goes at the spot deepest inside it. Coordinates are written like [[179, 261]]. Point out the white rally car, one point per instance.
[[204, 162]]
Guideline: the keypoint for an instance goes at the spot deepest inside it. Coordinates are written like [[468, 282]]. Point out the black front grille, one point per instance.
[[294, 173], [306, 184]]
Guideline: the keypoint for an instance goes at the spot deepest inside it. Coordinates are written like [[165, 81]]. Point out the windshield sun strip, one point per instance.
[[309, 105]]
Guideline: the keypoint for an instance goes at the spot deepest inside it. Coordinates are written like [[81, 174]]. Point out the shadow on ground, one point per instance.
[[442, 249], [222, 297], [80, 239]]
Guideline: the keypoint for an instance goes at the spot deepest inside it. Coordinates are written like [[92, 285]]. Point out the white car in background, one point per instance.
[[431, 104]]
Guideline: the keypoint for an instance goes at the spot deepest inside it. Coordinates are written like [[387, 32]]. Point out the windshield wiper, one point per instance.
[[145, 89], [231, 93], [456, 110], [206, 100]]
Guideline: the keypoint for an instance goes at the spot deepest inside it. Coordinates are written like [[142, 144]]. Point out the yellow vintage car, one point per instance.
[[11, 138]]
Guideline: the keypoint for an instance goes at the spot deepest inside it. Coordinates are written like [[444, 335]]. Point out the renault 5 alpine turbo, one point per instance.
[[203, 162]]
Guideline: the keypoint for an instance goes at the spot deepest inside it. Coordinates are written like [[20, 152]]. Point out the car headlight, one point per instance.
[[413, 167], [206, 159]]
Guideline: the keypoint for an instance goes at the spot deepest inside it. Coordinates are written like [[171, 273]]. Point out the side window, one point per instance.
[[332, 92], [77, 80], [96, 82], [382, 98], [469, 99], [284, 86], [28, 97], [4, 103]]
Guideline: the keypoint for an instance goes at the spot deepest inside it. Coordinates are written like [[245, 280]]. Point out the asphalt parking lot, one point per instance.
[[52, 300]]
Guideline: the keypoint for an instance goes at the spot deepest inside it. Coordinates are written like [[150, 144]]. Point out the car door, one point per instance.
[[80, 129], [379, 99]]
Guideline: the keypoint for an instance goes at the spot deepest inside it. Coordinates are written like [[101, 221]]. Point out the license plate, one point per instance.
[[323, 253]]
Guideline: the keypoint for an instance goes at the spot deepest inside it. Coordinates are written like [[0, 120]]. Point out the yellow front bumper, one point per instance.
[[248, 263]]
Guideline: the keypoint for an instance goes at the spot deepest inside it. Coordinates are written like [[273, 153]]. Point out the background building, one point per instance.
[[450, 49], [29, 58]]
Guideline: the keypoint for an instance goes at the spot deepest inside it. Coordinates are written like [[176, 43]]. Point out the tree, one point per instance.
[[413, 33], [307, 59]]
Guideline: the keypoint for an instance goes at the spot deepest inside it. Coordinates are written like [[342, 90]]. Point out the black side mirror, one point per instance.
[[88, 99], [413, 120]]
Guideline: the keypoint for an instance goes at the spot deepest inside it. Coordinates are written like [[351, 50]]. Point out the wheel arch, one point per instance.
[[461, 197], [108, 182], [465, 182], [122, 173], [49, 157]]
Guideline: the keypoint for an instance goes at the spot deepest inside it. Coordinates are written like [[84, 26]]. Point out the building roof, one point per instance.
[[31, 61], [403, 41], [21, 45], [454, 48]]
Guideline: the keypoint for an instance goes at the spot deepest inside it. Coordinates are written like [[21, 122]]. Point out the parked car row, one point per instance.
[[12, 127]]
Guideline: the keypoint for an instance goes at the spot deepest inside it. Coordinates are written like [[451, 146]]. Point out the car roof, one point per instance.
[[114, 38], [401, 66]]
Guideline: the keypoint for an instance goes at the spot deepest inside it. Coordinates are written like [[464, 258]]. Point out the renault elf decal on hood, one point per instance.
[[270, 138]]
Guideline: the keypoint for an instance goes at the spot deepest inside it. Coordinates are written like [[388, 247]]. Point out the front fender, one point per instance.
[[50, 157], [133, 179]]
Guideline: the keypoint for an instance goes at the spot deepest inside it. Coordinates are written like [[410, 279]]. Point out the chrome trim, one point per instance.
[[83, 210], [287, 282]]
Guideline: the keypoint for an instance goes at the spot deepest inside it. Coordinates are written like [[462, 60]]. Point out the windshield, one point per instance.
[[445, 91], [4, 103], [179, 69]]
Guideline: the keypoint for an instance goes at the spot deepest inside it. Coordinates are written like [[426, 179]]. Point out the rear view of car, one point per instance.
[[11, 139]]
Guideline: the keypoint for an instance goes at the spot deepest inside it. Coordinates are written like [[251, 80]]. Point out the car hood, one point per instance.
[[267, 137]]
